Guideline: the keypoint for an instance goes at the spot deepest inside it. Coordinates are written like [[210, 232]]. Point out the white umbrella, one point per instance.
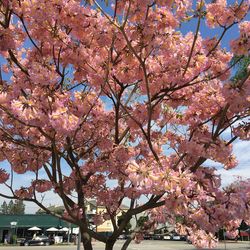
[[75, 230], [52, 229], [64, 229], [34, 229]]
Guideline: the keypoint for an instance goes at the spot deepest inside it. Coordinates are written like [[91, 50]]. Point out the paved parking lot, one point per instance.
[[145, 245]]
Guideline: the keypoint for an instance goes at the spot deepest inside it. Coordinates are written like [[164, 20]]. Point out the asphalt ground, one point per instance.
[[145, 245]]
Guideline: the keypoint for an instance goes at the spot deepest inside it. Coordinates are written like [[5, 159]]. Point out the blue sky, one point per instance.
[[241, 148]]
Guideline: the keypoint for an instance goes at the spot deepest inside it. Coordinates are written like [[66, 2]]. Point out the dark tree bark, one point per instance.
[[86, 239], [87, 245], [126, 243], [109, 245]]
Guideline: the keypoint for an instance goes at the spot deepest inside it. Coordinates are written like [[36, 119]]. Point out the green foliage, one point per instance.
[[243, 226], [18, 207], [179, 219], [142, 220], [14, 207], [53, 209], [4, 208], [13, 239], [241, 67]]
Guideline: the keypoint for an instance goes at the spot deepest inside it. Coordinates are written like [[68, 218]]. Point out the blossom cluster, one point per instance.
[[123, 105]]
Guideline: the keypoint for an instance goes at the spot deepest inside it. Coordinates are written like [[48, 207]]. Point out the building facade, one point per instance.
[[18, 225], [93, 209]]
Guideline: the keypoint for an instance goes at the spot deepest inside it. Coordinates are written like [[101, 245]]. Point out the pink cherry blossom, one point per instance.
[[42, 186], [3, 176], [126, 104]]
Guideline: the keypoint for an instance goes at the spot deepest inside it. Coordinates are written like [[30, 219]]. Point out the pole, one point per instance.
[[248, 238], [69, 232], [224, 233], [79, 240], [13, 226], [16, 235]]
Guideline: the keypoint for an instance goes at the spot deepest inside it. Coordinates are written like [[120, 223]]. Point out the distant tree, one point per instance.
[[18, 207], [4, 208], [53, 209], [10, 207], [40, 211], [243, 226], [142, 220], [14, 207]]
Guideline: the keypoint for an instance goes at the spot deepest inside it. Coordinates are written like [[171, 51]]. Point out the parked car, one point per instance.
[[37, 241], [19, 240], [157, 237], [122, 237], [167, 237], [176, 237], [147, 236], [183, 237]]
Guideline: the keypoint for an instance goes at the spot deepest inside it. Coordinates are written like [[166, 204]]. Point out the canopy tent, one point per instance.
[[32, 220], [75, 230], [52, 229], [34, 229], [64, 229]]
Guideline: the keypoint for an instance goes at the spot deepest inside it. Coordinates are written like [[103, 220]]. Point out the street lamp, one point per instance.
[[69, 232], [79, 239], [13, 225]]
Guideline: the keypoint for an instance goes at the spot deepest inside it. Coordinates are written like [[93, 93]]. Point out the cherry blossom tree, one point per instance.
[[114, 100]]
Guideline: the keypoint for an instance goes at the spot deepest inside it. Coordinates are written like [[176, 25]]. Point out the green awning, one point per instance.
[[30, 220]]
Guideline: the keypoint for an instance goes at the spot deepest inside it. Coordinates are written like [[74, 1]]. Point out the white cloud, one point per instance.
[[241, 150], [229, 176]]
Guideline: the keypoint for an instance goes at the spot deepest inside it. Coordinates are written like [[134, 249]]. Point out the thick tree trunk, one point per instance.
[[87, 245], [109, 245], [86, 241]]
